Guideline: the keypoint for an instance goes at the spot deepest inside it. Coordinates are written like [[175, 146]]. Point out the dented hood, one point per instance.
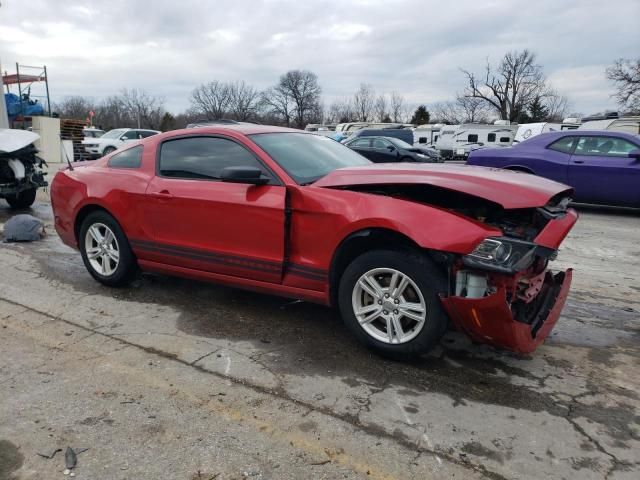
[[506, 188], [12, 140]]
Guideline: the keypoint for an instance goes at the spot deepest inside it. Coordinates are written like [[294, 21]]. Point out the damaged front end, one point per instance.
[[503, 293], [20, 170]]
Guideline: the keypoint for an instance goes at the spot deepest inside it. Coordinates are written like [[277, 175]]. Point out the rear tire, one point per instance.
[[105, 250], [24, 199], [404, 318]]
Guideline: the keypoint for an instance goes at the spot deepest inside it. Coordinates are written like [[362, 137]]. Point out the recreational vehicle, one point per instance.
[[456, 141], [426, 135], [528, 130], [624, 124]]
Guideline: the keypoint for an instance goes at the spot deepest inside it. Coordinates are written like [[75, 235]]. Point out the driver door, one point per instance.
[[199, 222], [601, 171]]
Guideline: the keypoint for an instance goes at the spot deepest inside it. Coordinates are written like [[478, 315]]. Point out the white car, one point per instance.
[[113, 139]]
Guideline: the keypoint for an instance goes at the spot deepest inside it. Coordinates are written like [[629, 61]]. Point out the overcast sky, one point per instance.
[[95, 48]]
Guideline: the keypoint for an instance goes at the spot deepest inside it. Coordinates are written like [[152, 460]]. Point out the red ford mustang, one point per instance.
[[401, 249]]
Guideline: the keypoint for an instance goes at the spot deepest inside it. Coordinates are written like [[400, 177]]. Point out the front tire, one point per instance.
[[108, 150], [389, 300], [24, 199], [105, 250]]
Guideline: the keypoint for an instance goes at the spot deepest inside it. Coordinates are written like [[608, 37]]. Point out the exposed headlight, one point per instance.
[[504, 254], [422, 155]]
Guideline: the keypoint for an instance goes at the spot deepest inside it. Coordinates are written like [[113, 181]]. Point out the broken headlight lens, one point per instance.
[[502, 254]]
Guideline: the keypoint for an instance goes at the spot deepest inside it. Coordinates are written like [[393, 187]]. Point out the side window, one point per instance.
[[491, 137], [564, 145], [422, 140], [472, 138], [505, 139], [361, 142], [131, 135], [379, 143], [604, 146], [203, 157], [131, 158], [146, 134]]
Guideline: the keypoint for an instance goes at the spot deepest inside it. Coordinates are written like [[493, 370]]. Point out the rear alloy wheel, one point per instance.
[[24, 199], [105, 250], [389, 300]]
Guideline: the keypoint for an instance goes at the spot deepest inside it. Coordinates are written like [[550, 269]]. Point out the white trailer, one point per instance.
[[529, 130], [624, 124], [455, 142], [427, 135]]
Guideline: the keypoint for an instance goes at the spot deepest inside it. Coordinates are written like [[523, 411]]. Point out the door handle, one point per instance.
[[578, 161], [162, 194]]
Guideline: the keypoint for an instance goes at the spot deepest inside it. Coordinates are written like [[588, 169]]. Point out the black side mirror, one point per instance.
[[391, 148], [635, 154], [249, 175]]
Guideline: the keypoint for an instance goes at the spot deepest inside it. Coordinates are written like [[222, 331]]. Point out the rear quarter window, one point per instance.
[[130, 158], [564, 145]]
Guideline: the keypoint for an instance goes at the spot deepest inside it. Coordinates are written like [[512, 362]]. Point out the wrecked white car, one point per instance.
[[20, 168]]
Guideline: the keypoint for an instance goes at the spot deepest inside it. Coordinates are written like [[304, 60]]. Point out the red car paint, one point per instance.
[[245, 241]]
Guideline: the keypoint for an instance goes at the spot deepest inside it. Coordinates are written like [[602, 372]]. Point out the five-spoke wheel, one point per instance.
[[105, 249]]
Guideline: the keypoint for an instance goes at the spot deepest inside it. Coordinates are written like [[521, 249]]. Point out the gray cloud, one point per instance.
[[95, 48]]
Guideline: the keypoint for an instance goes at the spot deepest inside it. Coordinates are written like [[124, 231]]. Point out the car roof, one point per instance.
[[244, 129]]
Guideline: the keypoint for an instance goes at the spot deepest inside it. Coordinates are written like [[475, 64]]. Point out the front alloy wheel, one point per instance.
[[389, 299], [389, 306]]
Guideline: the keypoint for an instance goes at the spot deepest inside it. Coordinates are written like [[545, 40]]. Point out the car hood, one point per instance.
[[506, 188], [12, 140]]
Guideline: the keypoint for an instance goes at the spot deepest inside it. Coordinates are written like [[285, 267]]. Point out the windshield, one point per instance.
[[399, 143], [117, 133], [305, 157]]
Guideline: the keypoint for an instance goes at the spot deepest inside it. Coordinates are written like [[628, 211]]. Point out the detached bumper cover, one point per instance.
[[491, 319]]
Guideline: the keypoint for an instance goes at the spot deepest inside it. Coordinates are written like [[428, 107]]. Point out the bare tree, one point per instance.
[[211, 99], [364, 102], [557, 105], [146, 109], [509, 87], [462, 110], [297, 94], [76, 106], [381, 110], [278, 104], [340, 111], [244, 101], [397, 107], [625, 74], [472, 109]]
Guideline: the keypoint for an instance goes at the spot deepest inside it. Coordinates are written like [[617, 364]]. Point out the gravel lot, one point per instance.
[[184, 380]]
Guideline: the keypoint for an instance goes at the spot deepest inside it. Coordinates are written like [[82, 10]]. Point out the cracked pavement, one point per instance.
[[200, 380]]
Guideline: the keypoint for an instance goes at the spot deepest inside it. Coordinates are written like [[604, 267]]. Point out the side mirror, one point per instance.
[[123, 138], [635, 154], [391, 148], [249, 175]]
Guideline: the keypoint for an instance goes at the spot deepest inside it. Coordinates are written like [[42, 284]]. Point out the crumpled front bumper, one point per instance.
[[491, 320]]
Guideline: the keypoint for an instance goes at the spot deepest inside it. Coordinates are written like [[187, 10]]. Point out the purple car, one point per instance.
[[603, 167]]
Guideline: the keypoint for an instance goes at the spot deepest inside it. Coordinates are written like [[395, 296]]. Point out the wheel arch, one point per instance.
[[519, 168], [367, 239], [84, 213]]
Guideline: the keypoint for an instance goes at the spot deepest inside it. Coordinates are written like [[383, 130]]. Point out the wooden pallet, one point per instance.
[[72, 130]]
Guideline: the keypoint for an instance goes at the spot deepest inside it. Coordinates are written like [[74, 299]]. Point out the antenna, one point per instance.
[[64, 150]]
